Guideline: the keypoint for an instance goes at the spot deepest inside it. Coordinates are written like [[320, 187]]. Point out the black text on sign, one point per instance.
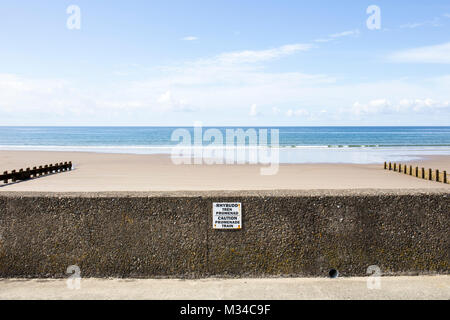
[[227, 215]]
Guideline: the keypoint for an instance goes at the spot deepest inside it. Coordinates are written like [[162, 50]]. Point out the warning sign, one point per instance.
[[227, 215]]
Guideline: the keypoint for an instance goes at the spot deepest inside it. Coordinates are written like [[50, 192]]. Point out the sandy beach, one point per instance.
[[131, 172]]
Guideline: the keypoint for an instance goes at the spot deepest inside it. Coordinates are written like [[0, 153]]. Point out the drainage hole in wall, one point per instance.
[[333, 273]]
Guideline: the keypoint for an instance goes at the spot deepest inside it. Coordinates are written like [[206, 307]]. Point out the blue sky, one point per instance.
[[224, 63]]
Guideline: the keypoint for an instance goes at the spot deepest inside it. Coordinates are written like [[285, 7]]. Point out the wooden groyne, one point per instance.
[[418, 172], [21, 174]]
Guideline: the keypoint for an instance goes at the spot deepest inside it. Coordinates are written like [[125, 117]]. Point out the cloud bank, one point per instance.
[[430, 54]]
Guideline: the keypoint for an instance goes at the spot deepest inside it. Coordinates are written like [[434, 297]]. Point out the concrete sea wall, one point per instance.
[[287, 233]]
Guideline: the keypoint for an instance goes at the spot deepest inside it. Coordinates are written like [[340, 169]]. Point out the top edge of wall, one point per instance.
[[231, 193]]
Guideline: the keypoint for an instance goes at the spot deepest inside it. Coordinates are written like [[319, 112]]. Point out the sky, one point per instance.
[[224, 62]]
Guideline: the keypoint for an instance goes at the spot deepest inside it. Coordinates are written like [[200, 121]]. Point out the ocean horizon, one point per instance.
[[160, 136]]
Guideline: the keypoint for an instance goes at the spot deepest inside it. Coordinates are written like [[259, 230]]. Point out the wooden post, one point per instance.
[[21, 177], [410, 170], [40, 171], [51, 168], [405, 169], [28, 176], [6, 178], [395, 166], [70, 165], [390, 166], [417, 172], [14, 176], [65, 166], [430, 174], [35, 174], [423, 173], [385, 165], [445, 176], [399, 168], [437, 175], [46, 169]]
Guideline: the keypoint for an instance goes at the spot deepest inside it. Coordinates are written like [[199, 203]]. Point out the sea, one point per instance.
[[295, 144]]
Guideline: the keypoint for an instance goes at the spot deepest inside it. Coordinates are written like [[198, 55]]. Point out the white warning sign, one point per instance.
[[227, 215]]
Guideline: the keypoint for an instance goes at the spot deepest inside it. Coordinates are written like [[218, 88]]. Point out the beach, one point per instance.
[[225, 150], [96, 172], [124, 216]]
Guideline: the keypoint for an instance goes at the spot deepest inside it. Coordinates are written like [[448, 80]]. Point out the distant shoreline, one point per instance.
[[287, 155]]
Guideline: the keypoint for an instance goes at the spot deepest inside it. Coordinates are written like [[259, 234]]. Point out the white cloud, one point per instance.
[[423, 105], [405, 106], [204, 90], [335, 36], [169, 103], [253, 111], [189, 38], [433, 23], [323, 40], [297, 113], [345, 34], [253, 56], [31, 94], [372, 107], [429, 54], [220, 85]]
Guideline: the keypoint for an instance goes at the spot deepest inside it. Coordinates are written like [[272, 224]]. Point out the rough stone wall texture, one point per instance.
[[170, 234]]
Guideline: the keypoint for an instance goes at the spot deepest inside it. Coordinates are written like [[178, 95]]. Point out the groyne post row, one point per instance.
[[429, 174], [28, 173]]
